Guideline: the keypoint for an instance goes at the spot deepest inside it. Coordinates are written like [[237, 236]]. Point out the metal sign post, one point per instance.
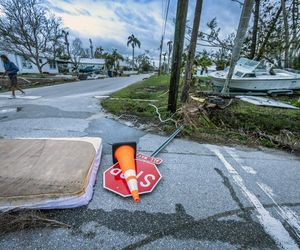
[[152, 157]]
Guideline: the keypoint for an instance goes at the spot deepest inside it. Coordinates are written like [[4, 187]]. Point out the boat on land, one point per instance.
[[255, 76]]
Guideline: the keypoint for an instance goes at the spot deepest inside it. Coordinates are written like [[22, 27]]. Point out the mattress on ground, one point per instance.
[[48, 173]]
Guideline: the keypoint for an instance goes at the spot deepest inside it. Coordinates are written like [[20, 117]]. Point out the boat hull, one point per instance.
[[257, 85]]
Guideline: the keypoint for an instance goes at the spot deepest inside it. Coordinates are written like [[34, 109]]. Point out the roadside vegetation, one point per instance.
[[238, 123]]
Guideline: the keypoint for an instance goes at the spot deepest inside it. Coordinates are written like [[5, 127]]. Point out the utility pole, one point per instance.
[[160, 54], [238, 42], [182, 8]]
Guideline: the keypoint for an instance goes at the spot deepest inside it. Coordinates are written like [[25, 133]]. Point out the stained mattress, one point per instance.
[[48, 173]]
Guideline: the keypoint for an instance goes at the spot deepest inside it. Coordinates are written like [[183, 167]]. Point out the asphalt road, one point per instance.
[[210, 197]]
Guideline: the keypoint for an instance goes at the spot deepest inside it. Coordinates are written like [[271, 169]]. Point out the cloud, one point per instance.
[[110, 22]]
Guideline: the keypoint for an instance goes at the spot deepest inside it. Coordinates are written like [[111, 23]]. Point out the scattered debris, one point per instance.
[[262, 101], [286, 139], [198, 99], [18, 220]]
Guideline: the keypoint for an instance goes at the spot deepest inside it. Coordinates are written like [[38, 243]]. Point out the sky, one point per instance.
[[109, 22]]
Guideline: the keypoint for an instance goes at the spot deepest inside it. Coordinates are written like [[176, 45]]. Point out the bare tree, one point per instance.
[[191, 52], [271, 28], [28, 29], [74, 50], [238, 42], [77, 51]]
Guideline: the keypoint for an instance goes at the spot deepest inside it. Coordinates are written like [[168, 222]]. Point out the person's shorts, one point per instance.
[[13, 80]]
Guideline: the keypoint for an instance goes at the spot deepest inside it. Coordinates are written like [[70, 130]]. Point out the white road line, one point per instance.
[[28, 97], [237, 158], [286, 213], [2, 111], [271, 225]]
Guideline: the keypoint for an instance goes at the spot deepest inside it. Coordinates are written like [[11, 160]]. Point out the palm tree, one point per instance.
[[99, 52], [238, 42], [116, 57], [134, 42], [91, 48]]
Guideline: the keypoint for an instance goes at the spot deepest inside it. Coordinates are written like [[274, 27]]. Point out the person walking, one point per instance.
[[11, 70]]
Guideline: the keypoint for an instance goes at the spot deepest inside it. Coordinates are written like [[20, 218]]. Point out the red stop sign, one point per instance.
[[147, 176]]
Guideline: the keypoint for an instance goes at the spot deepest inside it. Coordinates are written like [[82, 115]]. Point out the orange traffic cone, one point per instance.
[[125, 153]]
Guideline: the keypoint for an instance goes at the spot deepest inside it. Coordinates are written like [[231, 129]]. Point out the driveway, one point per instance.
[[210, 197]]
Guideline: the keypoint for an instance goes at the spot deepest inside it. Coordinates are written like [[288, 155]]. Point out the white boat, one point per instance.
[[254, 76]]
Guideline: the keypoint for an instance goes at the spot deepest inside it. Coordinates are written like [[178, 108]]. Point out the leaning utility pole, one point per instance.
[[238, 42], [182, 8]]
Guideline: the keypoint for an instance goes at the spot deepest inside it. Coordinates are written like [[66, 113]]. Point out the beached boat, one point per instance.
[[254, 76]]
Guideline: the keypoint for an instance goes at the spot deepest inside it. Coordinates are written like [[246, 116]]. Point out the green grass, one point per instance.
[[154, 88], [239, 123]]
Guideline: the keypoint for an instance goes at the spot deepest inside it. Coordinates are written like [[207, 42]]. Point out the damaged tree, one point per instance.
[[191, 52], [27, 29]]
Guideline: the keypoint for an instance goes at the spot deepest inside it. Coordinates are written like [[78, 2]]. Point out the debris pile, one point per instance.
[[198, 109]]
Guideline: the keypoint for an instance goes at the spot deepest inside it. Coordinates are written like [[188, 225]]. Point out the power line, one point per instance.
[[163, 34], [166, 17]]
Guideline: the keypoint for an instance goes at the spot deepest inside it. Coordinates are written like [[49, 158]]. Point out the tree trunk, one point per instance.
[[182, 7], [132, 58], [238, 42], [286, 34], [255, 29], [191, 52], [271, 29], [38, 65]]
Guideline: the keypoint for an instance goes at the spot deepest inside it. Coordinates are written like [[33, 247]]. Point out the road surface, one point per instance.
[[210, 197]]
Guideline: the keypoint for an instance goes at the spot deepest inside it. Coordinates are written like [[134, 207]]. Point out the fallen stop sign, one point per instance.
[[147, 176]]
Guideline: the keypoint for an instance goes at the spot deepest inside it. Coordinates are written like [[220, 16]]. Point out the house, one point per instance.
[[27, 67]]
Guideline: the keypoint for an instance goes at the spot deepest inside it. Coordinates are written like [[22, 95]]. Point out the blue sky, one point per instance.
[[110, 22]]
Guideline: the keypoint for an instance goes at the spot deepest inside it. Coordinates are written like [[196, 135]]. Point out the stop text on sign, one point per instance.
[[147, 177], [145, 181]]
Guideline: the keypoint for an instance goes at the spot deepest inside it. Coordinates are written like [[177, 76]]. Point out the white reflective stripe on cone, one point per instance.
[[132, 184], [129, 172]]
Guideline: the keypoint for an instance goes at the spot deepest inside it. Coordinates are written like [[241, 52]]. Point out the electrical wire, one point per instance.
[[166, 18]]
